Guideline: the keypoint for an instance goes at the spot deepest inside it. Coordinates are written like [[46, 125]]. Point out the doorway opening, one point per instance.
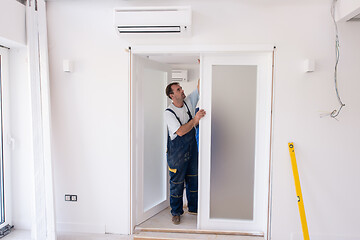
[[152, 73], [234, 139]]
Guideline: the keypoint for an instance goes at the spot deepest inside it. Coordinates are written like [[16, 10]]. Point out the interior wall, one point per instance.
[[91, 119], [12, 23]]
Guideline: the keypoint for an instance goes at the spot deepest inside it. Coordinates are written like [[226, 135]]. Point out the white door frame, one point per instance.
[[186, 49]]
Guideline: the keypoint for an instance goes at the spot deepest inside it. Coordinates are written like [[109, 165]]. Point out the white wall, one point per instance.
[[12, 23], [89, 118], [90, 109]]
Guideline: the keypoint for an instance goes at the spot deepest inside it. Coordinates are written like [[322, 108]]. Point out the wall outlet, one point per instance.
[[71, 198]]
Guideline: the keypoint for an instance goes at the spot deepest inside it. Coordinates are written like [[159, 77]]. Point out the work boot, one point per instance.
[[176, 220]]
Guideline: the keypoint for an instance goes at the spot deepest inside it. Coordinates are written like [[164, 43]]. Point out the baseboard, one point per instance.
[[299, 236], [21, 225], [80, 228]]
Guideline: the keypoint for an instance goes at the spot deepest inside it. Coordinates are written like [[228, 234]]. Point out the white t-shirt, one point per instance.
[[170, 119]]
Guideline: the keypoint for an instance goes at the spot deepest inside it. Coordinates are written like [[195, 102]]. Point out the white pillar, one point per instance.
[[43, 224]]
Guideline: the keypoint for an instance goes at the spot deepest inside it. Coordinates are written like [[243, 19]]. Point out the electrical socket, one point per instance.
[[70, 198], [67, 197]]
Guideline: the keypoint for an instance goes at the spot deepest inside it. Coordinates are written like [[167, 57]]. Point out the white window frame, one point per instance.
[[6, 138]]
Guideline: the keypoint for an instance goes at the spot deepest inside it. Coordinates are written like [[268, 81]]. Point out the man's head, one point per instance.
[[175, 92]]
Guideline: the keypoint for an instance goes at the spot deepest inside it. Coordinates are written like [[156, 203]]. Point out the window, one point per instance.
[[5, 214]]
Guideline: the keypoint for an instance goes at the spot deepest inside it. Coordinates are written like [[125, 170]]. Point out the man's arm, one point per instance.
[[194, 96], [184, 129]]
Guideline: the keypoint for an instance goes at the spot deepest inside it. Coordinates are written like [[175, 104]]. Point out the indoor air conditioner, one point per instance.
[[153, 20], [179, 75]]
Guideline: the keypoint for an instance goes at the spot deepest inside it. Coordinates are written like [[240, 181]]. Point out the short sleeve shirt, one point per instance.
[[170, 119]]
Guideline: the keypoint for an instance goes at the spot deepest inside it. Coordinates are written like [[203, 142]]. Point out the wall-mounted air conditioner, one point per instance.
[[153, 20], [179, 75]]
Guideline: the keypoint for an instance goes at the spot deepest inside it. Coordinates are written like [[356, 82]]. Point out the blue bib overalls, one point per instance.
[[182, 158]]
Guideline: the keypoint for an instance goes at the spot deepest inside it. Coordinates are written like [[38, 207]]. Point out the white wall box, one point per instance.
[[67, 65], [309, 65]]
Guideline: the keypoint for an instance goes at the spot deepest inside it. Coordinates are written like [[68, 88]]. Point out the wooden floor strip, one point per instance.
[[156, 238], [197, 231]]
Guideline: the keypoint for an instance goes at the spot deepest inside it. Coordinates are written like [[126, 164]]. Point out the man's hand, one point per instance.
[[199, 115], [184, 129]]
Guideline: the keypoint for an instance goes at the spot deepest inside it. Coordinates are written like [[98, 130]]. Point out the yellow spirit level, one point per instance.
[[298, 192]]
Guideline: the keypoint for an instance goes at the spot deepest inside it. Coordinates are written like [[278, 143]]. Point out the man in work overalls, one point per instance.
[[182, 151]]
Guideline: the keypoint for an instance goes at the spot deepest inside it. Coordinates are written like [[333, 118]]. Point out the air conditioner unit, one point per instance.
[[153, 20], [179, 75]]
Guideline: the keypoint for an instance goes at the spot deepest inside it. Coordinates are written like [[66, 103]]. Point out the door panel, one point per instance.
[[154, 135], [234, 142], [150, 79]]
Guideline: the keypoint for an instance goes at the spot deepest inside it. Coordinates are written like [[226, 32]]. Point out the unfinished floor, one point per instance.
[[158, 227], [25, 235], [161, 227], [162, 220]]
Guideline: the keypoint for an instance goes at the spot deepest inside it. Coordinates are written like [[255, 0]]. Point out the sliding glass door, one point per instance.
[[2, 189], [5, 194], [235, 142]]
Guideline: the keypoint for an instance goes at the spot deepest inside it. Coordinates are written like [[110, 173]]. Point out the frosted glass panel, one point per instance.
[[233, 122], [154, 103]]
